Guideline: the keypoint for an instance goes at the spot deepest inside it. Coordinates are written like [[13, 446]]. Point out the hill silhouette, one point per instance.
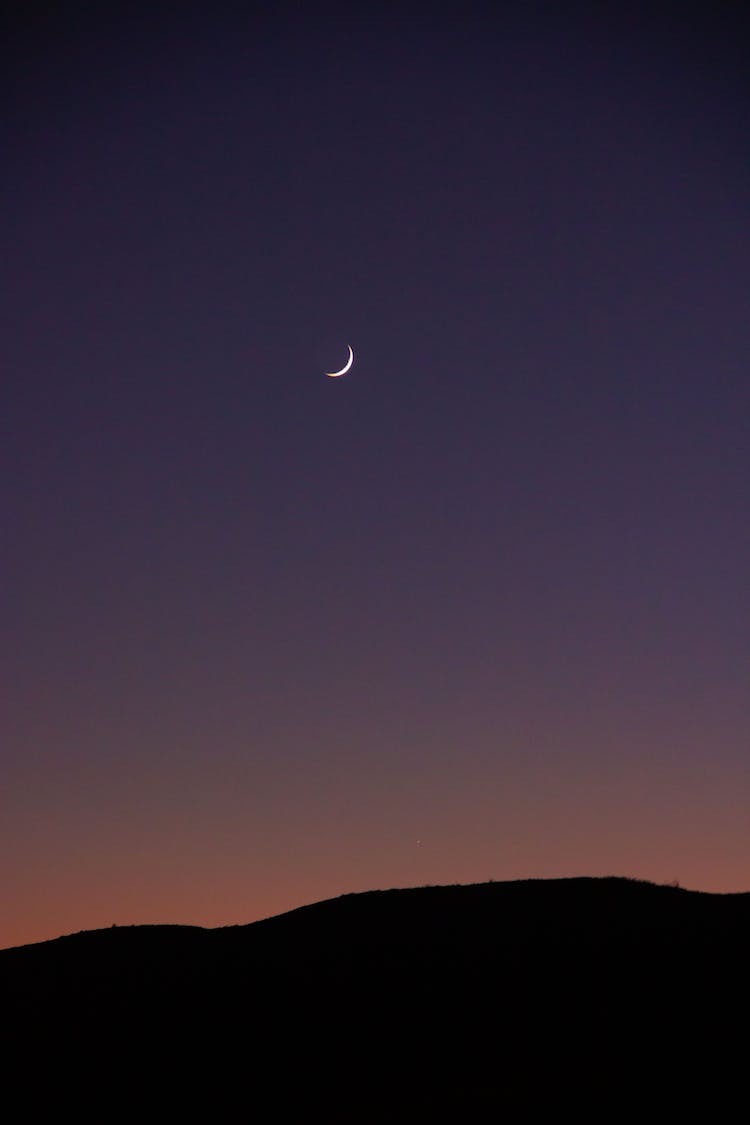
[[479, 1002]]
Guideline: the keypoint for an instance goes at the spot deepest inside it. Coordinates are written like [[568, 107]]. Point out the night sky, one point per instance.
[[477, 609]]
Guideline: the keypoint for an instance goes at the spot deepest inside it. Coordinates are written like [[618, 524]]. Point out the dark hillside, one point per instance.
[[439, 994]]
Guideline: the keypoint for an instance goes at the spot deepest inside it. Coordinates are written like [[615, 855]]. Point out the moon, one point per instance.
[[345, 368]]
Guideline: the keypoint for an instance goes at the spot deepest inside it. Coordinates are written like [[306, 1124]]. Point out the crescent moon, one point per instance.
[[345, 368]]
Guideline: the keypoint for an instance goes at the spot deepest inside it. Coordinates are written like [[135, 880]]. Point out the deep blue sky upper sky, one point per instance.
[[265, 630]]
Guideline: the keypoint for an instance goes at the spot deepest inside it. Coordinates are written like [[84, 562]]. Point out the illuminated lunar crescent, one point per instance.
[[345, 368]]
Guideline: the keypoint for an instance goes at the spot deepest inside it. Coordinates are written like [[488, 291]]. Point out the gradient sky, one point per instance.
[[477, 610]]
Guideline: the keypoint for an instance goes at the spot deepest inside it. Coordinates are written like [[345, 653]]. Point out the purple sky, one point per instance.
[[477, 609]]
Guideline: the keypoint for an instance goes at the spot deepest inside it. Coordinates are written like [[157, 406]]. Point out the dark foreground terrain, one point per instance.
[[605, 998]]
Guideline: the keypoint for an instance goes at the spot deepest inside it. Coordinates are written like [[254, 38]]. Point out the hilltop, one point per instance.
[[419, 996]]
